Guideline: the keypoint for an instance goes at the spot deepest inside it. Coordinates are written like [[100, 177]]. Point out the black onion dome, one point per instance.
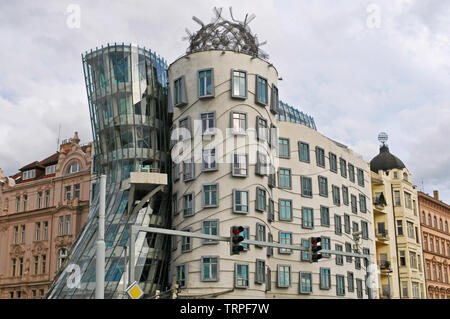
[[385, 161]]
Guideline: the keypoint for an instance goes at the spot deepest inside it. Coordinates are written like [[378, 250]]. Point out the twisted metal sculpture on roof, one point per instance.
[[222, 34]]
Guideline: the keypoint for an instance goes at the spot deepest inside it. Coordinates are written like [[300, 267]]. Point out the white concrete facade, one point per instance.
[[197, 255]]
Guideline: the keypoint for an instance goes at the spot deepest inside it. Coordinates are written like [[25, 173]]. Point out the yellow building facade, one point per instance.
[[397, 229]]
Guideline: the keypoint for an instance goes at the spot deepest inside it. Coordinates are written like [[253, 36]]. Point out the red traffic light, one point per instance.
[[237, 230]]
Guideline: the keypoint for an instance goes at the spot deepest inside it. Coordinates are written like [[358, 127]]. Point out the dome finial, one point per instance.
[[382, 138]]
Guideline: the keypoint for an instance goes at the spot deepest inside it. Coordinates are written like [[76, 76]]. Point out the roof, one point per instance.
[[385, 161], [52, 159], [31, 166]]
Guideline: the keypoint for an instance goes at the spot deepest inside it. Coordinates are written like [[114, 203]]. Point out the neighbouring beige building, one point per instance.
[[397, 228], [42, 210]]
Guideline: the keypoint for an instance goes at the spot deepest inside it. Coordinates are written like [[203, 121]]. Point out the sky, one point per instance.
[[358, 67]]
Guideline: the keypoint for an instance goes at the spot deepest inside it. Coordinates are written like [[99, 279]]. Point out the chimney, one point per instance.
[[436, 195]]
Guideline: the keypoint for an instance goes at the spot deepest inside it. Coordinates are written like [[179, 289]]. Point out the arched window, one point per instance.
[[405, 176], [73, 168], [441, 226], [435, 221], [424, 219], [62, 255], [429, 220], [446, 226]]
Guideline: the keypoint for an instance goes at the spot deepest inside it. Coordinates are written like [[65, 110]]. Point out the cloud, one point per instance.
[[356, 81]]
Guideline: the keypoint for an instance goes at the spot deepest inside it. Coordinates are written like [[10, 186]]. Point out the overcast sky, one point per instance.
[[358, 67]]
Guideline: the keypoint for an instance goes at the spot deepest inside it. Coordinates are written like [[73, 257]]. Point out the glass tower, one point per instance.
[[127, 94]]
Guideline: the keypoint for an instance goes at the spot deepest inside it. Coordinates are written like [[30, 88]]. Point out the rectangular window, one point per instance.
[[261, 129], [339, 258], [47, 198], [241, 275], [188, 204], [208, 123], [360, 177], [305, 253], [284, 180], [284, 276], [260, 199], [285, 209], [273, 136], [50, 169], [359, 288], [39, 199], [285, 238], [323, 186], [362, 203], [260, 233], [205, 83], [261, 90], [336, 195], [43, 263], [404, 289], [240, 201], [210, 268], [325, 276], [399, 228], [180, 98], [240, 165], [412, 260], [246, 235], [274, 101], [185, 128], [397, 198], [410, 229], [350, 282], [188, 170], [354, 204], [17, 204], [307, 217], [76, 191], [22, 234], [351, 173], [16, 234], [210, 227], [175, 204], [303, 149], [36, 264], [326, 245], [402, 258], [305, 282], [338, 224], [29, 174], [13, 268], [365, 230], [261, 164], [67, 192], [324, 216], [306, 186], [320, 156], [25, 197], [239, 84], [408, 200], [209, 160], [182, 276], [283, 148], [333, 162], [345, 195], [68, 225], [271, 211], [186, 243], [45, 232], [343, 165], [61, 226], [348, 249], [347, 224], [238, 122], [340, 285], [260, 272], [37, 231]]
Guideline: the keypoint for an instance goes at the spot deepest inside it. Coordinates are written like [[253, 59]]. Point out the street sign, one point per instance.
[[134, 291]]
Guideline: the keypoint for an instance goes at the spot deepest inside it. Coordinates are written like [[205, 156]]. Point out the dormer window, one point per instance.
[[29, 174], [50, 169], [73, 168]]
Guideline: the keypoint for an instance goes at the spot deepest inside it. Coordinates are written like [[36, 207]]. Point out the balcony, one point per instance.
[[382, 236], [385, 266]]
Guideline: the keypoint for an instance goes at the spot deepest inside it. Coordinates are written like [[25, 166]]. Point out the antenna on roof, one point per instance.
[[382, 138], [59, 137]]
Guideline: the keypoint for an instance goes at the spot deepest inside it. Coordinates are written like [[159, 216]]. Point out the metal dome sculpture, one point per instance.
[[222, 34]]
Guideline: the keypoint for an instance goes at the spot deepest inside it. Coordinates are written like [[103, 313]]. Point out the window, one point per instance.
[[47, 198], [325, 282], [396, 198], [209, 160], [238, 84], [76, 191], [29, 174], [210, 227], [260, 199], [345, 195], [362, 203], [336, 195], [307, 217], [323, 186], [17, 204], [354, 204], [399, 228], [208, 122], [283, 148], [43, 263], [285, 209], [206, 83], [339, 258], [338, 224], [408, 200], [73, 168], [359, 288], [284, 276], [272, 178], [410, 229], [36, 265], [61, 226], [274, 101], [182, 275], [360, 177], [188, 204], [324, 216], [326, 245], [13, 268], [238, 122], [284, 175], [271, 211], [210, 267], [25, 198], [347, 225], [343, 165], [185, 128], [306, 186], [246, 235], [305, 253], [39, 199], [50, 169], [412, 260], [240, 201], [45, 231], [350, 282], [273, 135], [305, 282], [180, 98], [333, 162], [240, 165], [348, 249], [320, 156], [340, 285], [67, 192], [261, 129], [404, 289], [402, 258], [261, 90], [285, 238], [260, 233], [37, 231], [188, 170], [260, 271], [241, 275], [186, 242], [351, 173], [435, 222], [62, 256], [303, 150], [365, 230], [68, 225], [261, 164]]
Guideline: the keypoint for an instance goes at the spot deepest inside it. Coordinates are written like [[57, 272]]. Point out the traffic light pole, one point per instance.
[[134, 230]]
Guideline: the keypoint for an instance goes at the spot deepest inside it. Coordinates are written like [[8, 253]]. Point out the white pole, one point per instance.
[[100, 257]]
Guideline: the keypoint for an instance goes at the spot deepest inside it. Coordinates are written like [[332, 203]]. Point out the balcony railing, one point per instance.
[[382, 236], [384, 265], [147, 169]]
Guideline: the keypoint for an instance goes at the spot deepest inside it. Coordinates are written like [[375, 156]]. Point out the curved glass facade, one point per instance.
[[127, 94], [288, 113]]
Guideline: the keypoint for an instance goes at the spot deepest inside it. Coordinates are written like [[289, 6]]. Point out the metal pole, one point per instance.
[[100, 257], [131, 278], [125, 272]]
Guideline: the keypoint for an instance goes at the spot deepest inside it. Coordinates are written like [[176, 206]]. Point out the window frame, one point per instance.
[[183, 98], [204, 205], [193, 204], [236, 278], [240, 131], [205, 96], [234, 201], [308, 160], [241, 97], [290, 217], [300, 283], [257, 90], [202, 264]]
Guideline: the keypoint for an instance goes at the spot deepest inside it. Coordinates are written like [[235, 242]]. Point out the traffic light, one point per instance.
[[236, 236], [315, 245]]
